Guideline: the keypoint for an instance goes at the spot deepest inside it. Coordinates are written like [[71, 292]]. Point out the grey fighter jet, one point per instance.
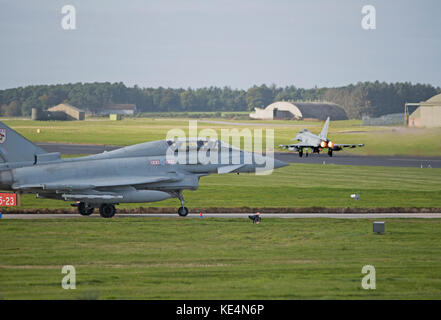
[[146, 172], [316, 143]]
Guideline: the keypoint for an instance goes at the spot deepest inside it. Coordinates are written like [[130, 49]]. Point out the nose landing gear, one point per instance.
[[182, 211]]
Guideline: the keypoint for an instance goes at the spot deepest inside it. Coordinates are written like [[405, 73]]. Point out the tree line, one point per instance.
[[364, 98]]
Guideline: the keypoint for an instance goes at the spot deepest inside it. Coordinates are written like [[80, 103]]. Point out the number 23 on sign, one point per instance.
[[8, 199]]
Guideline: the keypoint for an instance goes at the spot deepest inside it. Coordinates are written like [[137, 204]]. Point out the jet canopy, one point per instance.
[[196, 144]]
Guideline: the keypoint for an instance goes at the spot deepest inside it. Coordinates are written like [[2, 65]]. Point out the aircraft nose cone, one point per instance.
[[279, 164]]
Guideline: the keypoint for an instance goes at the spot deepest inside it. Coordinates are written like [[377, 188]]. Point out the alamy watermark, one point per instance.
[[369, 20], [68, 22], [369, 280], [69, 280], [205, 147]]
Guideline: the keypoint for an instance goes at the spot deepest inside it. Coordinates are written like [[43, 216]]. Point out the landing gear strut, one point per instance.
[[107, 210], [330, 152], [84, 209], [301, 153], [182, 211]]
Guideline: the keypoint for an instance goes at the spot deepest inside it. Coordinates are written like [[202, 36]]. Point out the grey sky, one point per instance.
[[197, 43]]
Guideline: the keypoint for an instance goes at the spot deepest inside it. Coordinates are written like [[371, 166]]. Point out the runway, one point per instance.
[[234, 215], [338, 158], [342, 159]]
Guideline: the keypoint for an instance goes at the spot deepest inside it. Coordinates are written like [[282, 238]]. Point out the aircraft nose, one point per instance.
[[279, 164]]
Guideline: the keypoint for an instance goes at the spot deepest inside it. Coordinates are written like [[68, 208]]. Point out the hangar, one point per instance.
[[60, 112], [428, 114], [71, 112], [300, 110]]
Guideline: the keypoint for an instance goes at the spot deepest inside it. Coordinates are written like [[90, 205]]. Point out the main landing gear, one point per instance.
[[301, 153], [182, 211], [330, 152], [84, 209], [107, 210]]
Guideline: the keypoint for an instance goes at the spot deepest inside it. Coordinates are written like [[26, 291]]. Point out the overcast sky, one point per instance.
[[236, 43]]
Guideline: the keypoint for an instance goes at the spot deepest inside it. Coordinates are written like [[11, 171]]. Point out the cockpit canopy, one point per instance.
[[196, 144]]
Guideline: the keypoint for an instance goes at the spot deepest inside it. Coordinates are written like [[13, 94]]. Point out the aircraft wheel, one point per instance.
[[183, 211], [107, 210], [330, 153], [300, 154], [84, 210]]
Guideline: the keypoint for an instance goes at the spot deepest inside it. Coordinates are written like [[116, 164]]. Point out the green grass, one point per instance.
[[378, 140], [175, 258], [305, 185]]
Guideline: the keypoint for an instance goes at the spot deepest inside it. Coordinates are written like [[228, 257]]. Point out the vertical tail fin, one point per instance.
[[16, 148], [324, 133]]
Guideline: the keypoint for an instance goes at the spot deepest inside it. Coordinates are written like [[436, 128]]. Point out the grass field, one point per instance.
[[377, 140], [175, 258], [208, 258], [305, 185]]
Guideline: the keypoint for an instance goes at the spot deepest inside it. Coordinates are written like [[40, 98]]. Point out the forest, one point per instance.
[[364, 98]]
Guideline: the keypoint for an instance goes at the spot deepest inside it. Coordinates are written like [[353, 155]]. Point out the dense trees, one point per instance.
[[367, 98], [378, 98], [260, 96]]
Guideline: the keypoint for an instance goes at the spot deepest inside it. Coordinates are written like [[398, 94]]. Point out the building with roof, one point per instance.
[[428, 113], [125, 109], [71, 112], [300, 110]]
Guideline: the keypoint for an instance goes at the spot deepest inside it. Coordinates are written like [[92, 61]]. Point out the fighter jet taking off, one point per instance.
[[316, 142], [146, 172]]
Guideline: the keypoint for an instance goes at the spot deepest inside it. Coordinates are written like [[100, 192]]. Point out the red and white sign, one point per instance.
[[8, 199]]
